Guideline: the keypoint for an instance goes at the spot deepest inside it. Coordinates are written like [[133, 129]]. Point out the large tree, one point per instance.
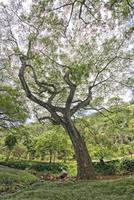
[[68, 53]]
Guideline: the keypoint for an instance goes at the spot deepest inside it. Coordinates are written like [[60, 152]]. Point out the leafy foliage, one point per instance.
[[12, 109], [10, 141], [110, 132]]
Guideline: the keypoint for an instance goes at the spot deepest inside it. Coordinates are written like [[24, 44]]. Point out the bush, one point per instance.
[[15, 164], [47, 167], [107, 168], [34, 165], [2, 157], [114, 167], [127, 165]]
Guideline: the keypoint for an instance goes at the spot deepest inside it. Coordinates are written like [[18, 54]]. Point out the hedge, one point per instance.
[[106, 168], [34, 165]]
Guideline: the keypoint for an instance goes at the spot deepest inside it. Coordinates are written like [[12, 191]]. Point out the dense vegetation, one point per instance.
[[109, 134]]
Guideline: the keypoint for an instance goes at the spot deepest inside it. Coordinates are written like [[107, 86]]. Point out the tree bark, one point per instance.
[[85, 169]]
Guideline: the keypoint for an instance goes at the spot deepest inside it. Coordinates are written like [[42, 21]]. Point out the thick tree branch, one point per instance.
[[83, 103], [47, 87], [72, 88], [90, 11], [80, 12], [129, 4], [113, 3], [41, 119], [52, 109], [26, 87], [50, 88]]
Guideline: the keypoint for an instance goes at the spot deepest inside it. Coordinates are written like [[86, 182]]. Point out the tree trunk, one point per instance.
[[85, 169], [8, 155], [50, 156], [26, 155], [54, 157]]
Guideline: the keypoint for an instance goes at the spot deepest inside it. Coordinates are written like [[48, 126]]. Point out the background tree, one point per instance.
[[12, 108], [10, 142], [12, 111], [55, 143], [109, 133]]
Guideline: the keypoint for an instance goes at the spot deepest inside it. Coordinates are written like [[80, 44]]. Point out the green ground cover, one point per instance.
[[122, 189], [12, 180]]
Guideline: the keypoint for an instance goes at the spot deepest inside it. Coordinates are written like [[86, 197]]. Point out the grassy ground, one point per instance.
[[12, 180], [122, 189]]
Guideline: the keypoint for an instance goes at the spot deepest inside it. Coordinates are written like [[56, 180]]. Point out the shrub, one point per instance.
[[115, 167], [15, 164], [34, 165], [48, 167], [127, 165], [2, 157], [107, 168]]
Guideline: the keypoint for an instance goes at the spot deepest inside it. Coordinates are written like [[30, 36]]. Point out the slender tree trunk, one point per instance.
[[8, 155], [85, 169], [50, 156], [54, 157], [26, 155]]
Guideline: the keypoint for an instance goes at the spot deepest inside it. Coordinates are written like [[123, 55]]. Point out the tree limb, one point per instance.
[[72, 88], [83, 103], [52, 109]]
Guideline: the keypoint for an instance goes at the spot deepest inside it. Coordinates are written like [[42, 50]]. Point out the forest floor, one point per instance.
[[27, 187]]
